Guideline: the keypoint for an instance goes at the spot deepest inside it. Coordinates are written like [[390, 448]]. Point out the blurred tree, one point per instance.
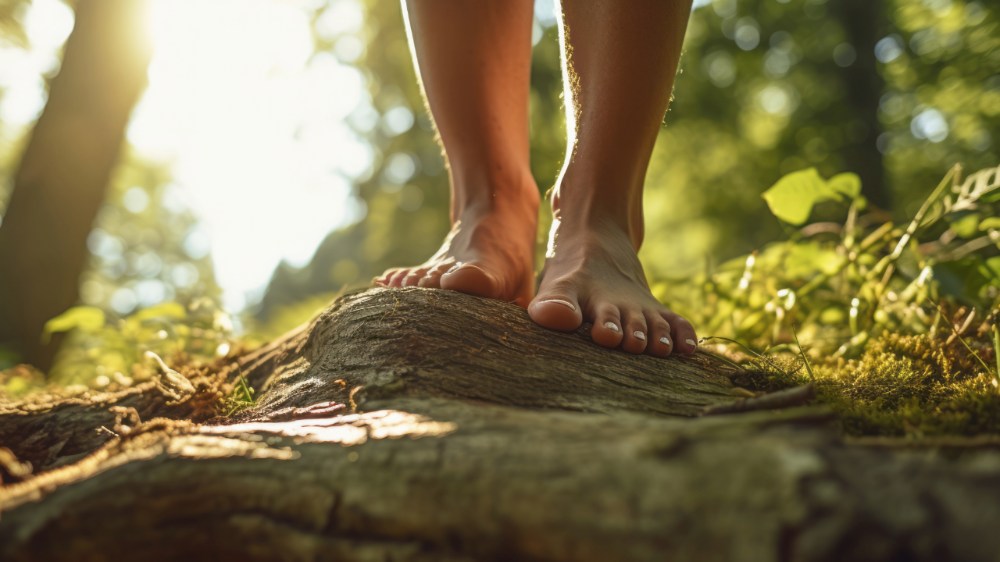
[[897, 91], [146, 246], [65, 170], [941, 105], [865, 22], [766, 87]]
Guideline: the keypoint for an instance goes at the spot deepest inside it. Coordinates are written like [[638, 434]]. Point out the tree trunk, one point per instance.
[[418, 424], [865, 22], [65, 169]]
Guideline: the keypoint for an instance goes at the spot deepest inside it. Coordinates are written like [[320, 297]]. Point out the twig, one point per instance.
[[719, 357], [391, 312], [763, 358], [14, 467], [773, 401], [965, 249], [974, 354], [705, 339], [915, 223]]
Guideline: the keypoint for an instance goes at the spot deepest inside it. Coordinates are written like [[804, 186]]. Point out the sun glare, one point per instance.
[[46, 24], [251, 120]]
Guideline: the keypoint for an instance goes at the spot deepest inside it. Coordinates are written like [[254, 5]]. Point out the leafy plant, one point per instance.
[[869, 298], [102, 354], [844, 283]]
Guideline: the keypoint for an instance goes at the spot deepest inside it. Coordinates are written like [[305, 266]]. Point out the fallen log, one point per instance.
[[418, 424]]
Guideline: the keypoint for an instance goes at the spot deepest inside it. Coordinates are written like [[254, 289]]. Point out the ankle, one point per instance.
[[481, 194], [581, 214]]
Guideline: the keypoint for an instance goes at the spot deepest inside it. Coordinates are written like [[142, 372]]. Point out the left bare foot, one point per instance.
[[593, 273]]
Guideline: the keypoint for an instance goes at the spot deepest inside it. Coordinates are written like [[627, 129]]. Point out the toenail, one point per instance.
[[639, 335], [611, 326], [665, 340], [564, 303], [690, 342]]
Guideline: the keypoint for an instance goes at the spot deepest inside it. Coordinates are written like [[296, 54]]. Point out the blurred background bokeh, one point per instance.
[[268, 155]]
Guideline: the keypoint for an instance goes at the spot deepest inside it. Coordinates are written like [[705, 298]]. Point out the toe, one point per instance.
[[556, 309], [685, 339], [432, 280], [661, 341], [470, 279], [433, 277], [607, 330], [414, 276], [386, 277], [397, 278], [636, 332]]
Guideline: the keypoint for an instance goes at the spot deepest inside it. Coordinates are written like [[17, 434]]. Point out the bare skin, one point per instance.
[[620, 57], [623, 55], [474, 61]]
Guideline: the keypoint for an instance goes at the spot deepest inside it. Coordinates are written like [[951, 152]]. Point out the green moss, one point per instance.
[[901, 385]]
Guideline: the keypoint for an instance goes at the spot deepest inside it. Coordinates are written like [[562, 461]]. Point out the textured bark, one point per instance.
[[418, 424]]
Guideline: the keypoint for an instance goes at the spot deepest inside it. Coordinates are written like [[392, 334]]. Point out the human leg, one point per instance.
[[474, 62], [620, 58]]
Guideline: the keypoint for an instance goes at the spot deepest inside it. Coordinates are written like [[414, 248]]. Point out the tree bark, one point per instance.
[[418, 424], [65, 169]]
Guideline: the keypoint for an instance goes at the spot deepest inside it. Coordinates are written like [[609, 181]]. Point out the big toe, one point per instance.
[[558, 311], [471, 279]]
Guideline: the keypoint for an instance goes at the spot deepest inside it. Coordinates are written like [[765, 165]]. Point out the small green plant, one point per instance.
[[102, 353], [867, 298], [241, 398], [844, 283]]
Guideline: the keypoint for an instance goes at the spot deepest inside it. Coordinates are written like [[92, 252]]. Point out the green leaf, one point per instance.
[[965, 226], [990, 222], [805, 260], [991, 196], [162, 310], [84, 318], [993, 265], [847, 183], [792, 198]]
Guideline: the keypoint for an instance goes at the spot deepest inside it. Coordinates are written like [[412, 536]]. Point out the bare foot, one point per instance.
[[489, 251], [592, 272]]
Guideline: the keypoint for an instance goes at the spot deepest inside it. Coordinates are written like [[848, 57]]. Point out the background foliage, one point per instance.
[[862, 106]]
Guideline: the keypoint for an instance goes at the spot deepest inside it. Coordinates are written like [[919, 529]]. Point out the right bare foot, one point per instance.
[[489, 251]]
